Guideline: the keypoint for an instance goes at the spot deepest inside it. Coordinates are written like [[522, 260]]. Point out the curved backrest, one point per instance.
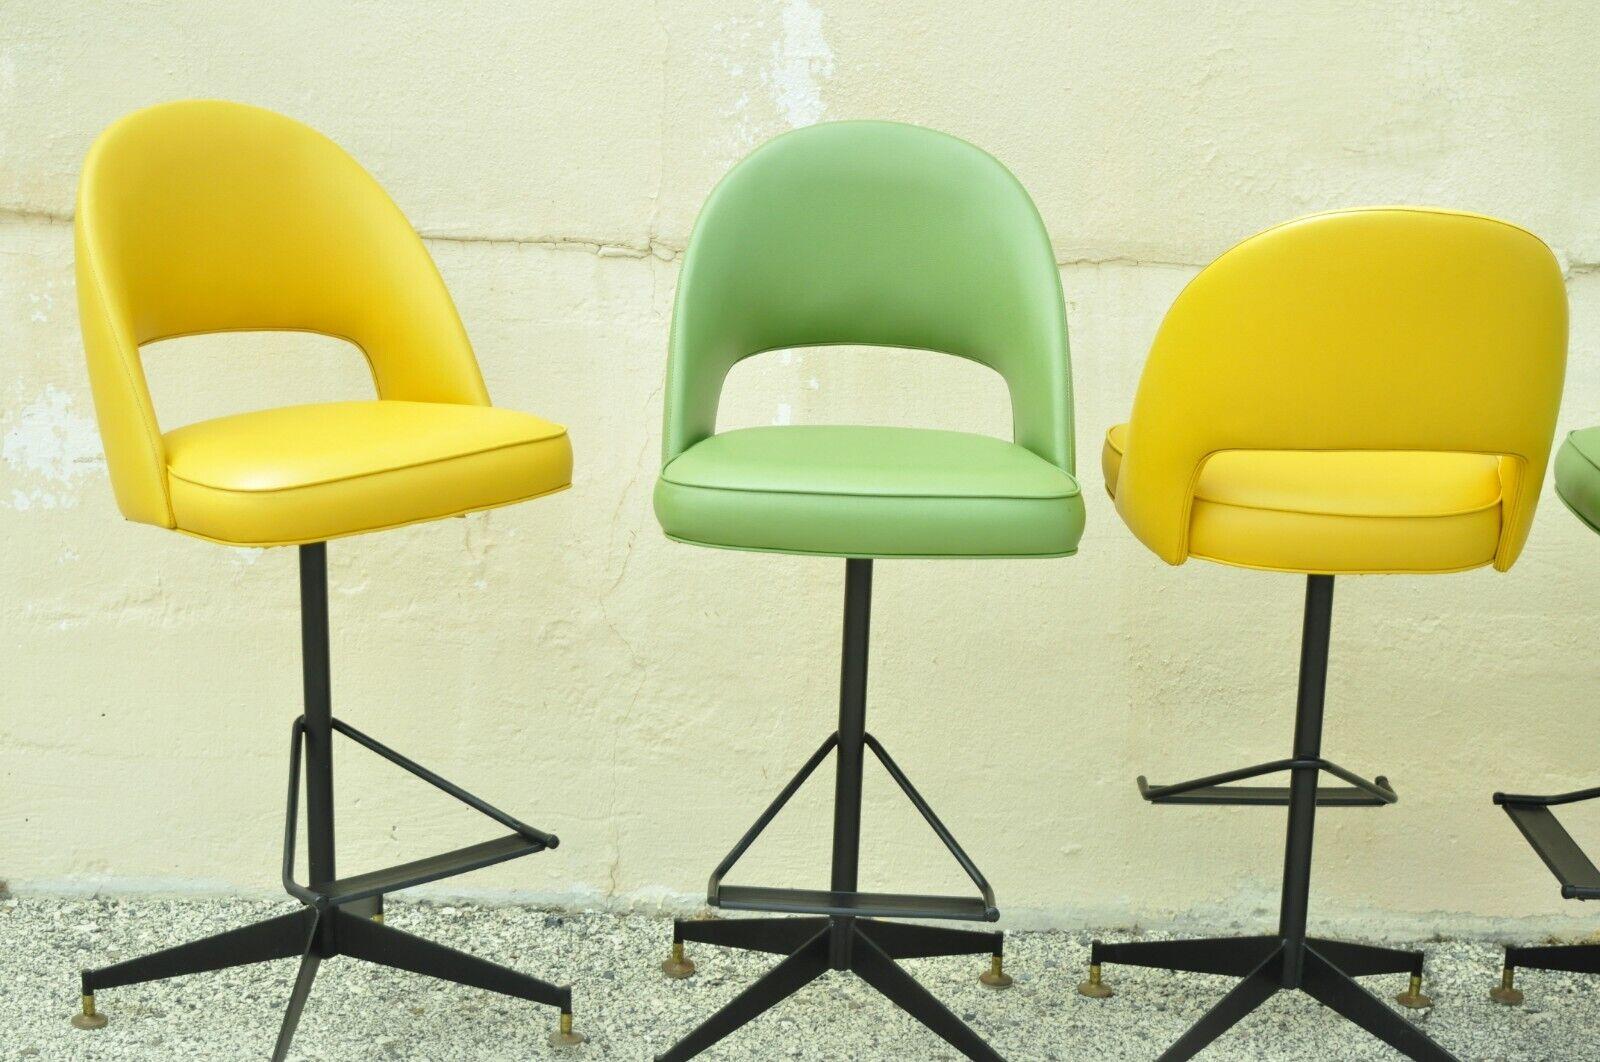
[[1381, 329], [206, 216], [879, 234]]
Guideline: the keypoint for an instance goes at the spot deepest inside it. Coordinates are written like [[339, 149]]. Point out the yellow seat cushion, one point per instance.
[[1339, 512], [308, 473]]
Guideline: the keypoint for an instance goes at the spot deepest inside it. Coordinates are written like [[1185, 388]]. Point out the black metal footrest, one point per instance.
[[422, 871], [525, 840], [979, 908], [1579, 878], [1217, 788], [860, 904]]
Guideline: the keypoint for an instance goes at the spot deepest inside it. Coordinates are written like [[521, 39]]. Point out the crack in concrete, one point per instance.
[[649, 248], [654, 246]]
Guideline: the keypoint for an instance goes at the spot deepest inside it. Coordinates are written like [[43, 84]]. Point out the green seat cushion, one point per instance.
[[869, 492], [1578, 475]]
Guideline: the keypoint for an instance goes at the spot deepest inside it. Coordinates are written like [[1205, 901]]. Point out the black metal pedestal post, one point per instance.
[[342, 916], [1303, 782], [839, 935], [1290, 960], [852, 748], [314, 663]]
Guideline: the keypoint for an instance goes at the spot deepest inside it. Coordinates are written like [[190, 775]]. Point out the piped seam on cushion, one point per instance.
[[1575, 511], [1351, 516], [276, 543], [1343, 571], [1076, 492], [367, 475], [897, 556], [1498, 500], [1570, 445]]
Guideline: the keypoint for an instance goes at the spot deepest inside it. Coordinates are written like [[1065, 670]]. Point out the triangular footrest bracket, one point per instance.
[[1216, 788], [523, 840], [861, 904]]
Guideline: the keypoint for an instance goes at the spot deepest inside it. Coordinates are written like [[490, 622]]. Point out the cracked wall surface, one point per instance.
[[644, 699]]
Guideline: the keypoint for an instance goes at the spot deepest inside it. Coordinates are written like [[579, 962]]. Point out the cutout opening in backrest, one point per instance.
[[200, 377], [867, 385]]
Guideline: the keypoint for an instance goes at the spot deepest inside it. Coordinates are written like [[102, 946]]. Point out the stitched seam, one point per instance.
[[1570, 445], [274, 543], [1500, 500], [365, 475], [862, 494], [1575, 511], [872, 553], [1349, 516], [1344, 571]]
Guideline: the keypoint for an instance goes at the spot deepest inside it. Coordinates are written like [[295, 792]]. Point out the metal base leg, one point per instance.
[[362, 938], [1571, 958], [776, 936], [1330, 986], [869, 963], [309, 963], [778, 984], [1260, 985], [1366, 960], [283, 937], [902, 940]]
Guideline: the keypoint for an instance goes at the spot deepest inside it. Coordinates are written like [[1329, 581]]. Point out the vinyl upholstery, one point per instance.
[[1578, 475]]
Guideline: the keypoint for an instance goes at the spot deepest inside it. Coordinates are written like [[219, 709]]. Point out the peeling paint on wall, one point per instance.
[[49, 446], [800, 59]]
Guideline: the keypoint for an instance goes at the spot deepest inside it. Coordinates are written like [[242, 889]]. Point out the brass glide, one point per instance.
[[1094, 988], [996, 976], [1412, 997], [1506, 992], [564, 1036], [89, 1018], [680, 965]]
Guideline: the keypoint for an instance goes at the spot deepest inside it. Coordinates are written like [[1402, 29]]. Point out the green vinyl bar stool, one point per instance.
[[1577, 476], [878, 234]]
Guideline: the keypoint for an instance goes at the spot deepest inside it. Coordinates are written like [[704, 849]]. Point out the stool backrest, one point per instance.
[[872, 233], [206, 216], [1393, 328]]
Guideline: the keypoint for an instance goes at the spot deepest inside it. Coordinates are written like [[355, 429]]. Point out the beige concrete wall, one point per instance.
[[645, 699]]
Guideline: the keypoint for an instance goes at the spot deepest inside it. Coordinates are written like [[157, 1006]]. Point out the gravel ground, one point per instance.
[[629, 1011]]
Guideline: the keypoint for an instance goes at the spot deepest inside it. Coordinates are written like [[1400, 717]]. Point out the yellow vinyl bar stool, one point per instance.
[[203, 217], [1360, 392]]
